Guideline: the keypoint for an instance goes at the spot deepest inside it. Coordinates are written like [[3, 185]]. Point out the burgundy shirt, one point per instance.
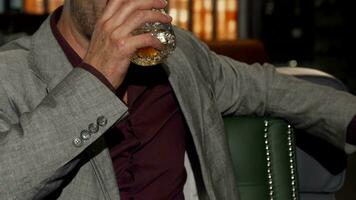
[[148, 147], [148, 155]]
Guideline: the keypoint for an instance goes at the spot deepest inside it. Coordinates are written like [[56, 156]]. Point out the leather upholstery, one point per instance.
[[247, 142]]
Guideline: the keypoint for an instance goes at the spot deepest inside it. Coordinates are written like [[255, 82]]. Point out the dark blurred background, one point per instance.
[[315, 33]]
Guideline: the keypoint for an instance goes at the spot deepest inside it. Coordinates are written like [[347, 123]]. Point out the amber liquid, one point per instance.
[[150, 56], [149, 53]]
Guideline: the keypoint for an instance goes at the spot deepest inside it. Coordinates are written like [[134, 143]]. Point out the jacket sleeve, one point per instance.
[[243, 89], [38, 147]]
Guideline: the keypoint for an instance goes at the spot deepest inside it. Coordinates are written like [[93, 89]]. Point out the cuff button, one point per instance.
[[85, 135], [102, 121], [93, 128], [77, 142]]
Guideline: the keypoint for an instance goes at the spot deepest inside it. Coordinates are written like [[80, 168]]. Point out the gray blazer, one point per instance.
[[45, 104]]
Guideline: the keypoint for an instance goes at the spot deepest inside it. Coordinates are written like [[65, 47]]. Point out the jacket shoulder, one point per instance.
[[188, 42], [14, 64], [196, 52], [14, 55]]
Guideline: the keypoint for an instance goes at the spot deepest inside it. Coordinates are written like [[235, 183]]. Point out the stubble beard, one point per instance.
[[85, 16]]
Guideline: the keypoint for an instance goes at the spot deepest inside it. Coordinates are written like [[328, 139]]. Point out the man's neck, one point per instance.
[[69, 31]]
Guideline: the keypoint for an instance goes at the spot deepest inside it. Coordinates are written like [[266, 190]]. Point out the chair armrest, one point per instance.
[[263, 154], [321, 165]]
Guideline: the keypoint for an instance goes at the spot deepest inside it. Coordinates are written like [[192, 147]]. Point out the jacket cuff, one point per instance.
[[97, 74]]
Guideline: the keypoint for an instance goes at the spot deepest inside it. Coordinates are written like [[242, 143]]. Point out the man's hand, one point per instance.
[[112, 43]]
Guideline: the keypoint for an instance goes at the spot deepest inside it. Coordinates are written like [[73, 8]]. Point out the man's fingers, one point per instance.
[[131, 44], [146, 40], [111, 8]]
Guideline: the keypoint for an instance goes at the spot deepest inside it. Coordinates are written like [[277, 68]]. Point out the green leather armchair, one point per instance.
[[263, 154]]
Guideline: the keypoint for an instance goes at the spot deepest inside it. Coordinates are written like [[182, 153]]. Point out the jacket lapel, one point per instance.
[[185, 89], [193, 106]]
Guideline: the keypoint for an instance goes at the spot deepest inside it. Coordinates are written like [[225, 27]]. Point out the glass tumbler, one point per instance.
[[150, 56]]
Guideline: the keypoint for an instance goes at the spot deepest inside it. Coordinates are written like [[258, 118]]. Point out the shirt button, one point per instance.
[[77, 142], [85, 135], [102, 121], [93, 128]]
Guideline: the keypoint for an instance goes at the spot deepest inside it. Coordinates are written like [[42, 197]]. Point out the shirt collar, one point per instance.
[[71, 55]]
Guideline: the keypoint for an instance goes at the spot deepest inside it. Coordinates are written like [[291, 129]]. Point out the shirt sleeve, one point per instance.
[[97, 74], [351, 132]]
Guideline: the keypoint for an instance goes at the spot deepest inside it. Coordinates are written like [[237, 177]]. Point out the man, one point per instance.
[[78, 121]]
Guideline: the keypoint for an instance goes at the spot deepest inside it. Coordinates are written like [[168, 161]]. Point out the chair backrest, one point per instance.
[[263, 154]]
